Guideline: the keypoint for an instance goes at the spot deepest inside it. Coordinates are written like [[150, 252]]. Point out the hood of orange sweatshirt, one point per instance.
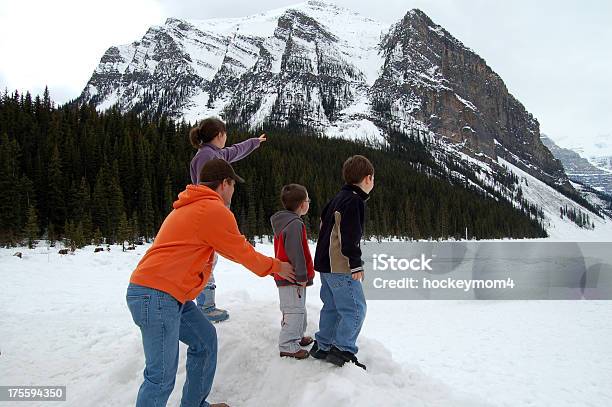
[[195, 193]]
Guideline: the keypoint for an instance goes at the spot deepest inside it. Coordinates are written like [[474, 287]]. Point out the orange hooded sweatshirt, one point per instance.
[[181, 258]]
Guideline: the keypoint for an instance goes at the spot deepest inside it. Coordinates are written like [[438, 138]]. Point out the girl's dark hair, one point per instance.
[[207, 130]]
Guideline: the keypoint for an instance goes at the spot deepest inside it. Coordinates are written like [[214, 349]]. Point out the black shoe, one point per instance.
[[317, 353], [339, 358]]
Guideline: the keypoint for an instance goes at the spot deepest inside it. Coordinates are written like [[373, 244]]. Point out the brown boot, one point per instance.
[[219, 405], [300, 354], [306, 340]]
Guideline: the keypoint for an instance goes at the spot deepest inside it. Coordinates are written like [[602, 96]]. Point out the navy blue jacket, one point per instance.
[[342, 225]]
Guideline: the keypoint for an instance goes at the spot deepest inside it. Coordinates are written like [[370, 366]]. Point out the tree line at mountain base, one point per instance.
[[75, 174]]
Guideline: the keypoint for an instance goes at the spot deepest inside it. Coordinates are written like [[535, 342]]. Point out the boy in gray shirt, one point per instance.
[[291, 245]]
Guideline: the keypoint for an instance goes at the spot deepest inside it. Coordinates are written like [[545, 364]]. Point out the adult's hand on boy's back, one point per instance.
[[287, 272], [358, 276]]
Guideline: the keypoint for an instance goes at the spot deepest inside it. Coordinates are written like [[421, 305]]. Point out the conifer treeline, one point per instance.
[[75, 173]]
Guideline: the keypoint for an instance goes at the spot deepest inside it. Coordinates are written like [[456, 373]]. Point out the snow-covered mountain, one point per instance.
[[598, 149], [581, 169], [319, 65], [306, 63], [326, 67]]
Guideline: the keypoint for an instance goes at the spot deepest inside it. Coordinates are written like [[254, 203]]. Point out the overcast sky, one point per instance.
[[554, 55]]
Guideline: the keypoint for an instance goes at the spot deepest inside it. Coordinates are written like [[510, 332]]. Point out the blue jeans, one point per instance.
[[163, 321], [206, 299], [343, 312]]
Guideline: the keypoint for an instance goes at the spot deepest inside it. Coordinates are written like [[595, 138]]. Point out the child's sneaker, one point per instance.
[[215, 314], [300, 354], [317, 353], [339, 358], [306, 340]]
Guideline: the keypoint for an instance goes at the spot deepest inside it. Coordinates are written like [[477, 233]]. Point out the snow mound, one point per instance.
[[250, 371]]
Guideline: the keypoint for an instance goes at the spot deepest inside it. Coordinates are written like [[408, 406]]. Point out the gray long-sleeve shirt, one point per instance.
[[230, 154], [287, 225]]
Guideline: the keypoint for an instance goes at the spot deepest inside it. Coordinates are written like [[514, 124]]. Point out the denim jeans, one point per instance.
[[343, 312], [163, 321], [206, 299]]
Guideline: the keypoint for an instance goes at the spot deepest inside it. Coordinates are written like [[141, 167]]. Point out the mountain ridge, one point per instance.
[[324, 67]]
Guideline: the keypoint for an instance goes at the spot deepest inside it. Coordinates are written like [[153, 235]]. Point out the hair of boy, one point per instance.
[[356, 168], [293, 195], [206, 131]]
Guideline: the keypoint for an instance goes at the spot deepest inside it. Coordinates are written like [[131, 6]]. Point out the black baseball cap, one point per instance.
[[218, 170]]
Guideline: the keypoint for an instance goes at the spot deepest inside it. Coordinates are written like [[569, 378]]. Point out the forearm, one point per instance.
[[240, 150], [247, 256]]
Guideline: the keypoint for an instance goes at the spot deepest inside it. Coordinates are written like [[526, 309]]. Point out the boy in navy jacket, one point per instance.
[[338, 261]]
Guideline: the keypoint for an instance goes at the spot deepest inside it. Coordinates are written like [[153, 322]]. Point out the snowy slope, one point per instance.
[[64, 322], [359, 35], [551, 200]]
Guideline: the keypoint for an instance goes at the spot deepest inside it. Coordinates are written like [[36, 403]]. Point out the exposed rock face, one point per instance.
[[430, 76], [328, 68]]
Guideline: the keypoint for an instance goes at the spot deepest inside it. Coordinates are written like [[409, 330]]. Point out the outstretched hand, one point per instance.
[[287, 272], [262, 138]]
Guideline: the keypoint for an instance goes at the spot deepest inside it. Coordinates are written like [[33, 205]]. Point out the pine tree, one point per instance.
[[31, 231], [85, 214], [147, 216], [98, 240], [78, 237], [55, 199], [168, 196], [115, 202], [135, 238], [99, 204], [251, 227], [69, 235], [9, 198], [123, 230], [51, 235]]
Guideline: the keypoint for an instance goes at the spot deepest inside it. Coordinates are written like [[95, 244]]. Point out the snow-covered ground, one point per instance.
[[64, 322]]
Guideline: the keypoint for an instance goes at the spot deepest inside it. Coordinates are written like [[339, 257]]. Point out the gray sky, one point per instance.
[[555, 56]]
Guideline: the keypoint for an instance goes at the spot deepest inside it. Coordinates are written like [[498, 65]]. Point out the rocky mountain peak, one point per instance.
[[322, 66], [299, 24]]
